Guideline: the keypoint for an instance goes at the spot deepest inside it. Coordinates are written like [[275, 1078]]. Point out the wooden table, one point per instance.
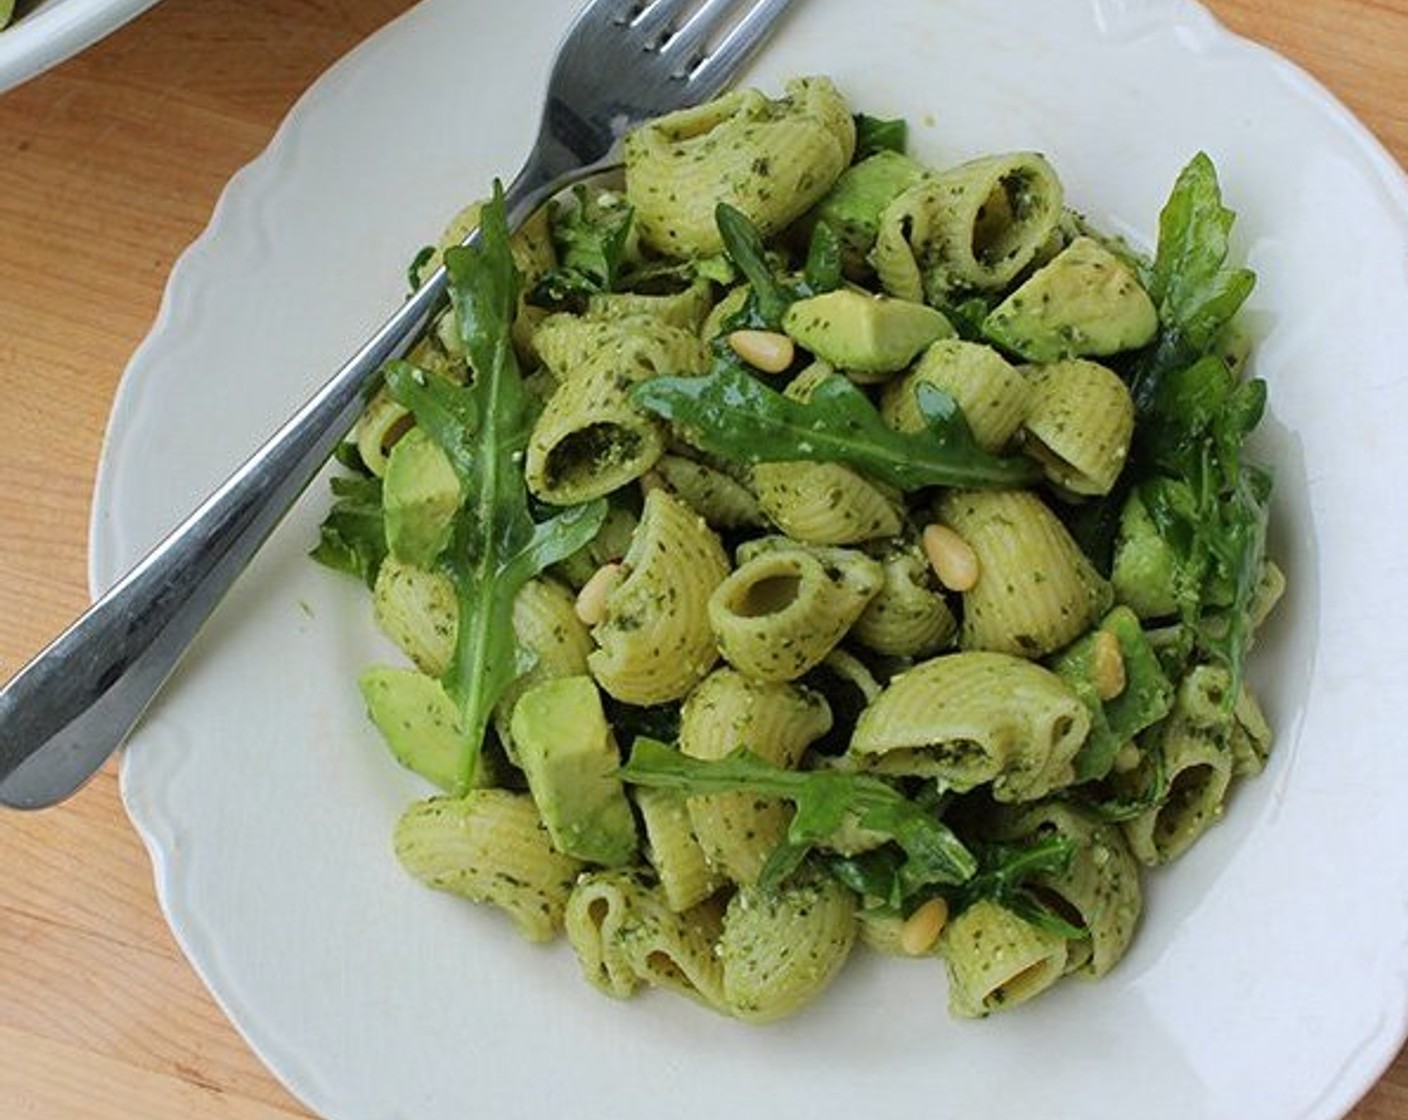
[[109, 167]]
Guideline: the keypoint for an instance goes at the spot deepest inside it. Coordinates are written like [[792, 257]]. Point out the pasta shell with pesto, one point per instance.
[[824, 503], [625, 935], [774, 720], [590, 439], [673, 849], [418, 610], [997, 959], [490, 846], [969, 719], [782, 611], [780, 949], [771, 159], [908, 617], [1098, 891], [720, 498], [1079, 425], [1036, 592], [1198, 749], [655, 642], [992, 393], [972, 228]]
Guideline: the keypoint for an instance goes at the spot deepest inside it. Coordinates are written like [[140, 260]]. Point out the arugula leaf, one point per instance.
[[591, 241], [769, 297], [413, 270], [823, 269], [1195, 291], [1005, 871], [824, 800], [1216, 519], [1194, 414], [483, 429], [1103, 803], [1003, 875], [879, 134], [731, 413], [352, 538]]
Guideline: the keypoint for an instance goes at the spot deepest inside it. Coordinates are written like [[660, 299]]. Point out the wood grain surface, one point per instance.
[[109, 167]]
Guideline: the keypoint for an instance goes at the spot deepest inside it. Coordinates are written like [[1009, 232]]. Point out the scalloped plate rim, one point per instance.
[[185, 283]]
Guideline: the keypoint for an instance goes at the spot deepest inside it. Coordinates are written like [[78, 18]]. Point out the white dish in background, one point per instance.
[[54, 30], [1269, 978]]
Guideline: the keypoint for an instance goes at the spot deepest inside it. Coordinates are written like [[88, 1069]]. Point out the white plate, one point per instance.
[[53, 30], [1268, 978]]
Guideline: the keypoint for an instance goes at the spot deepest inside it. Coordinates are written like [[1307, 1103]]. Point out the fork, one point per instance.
[[67, 710]]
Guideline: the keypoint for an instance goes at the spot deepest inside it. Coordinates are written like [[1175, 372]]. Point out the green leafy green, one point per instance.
[[769, 295], [1112, 806], [823, 269], [880, 134], [1005, 872], [591, 238], [352, 537], [824, 800], [1194, 413], [483, 428], [731, 413], [423, 256], [1190, 282], [1147, 695], [1216, 519]]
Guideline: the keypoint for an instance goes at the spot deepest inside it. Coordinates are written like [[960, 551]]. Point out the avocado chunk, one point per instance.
[[1145, 571], [419, 721], [1084, 302], [863, 333], [853, 206], [569, 756], [420, 495]]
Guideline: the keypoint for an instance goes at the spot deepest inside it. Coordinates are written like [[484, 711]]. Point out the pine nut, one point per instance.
[[652, 480], [1127, 758], [591, 599], [922, 928], [1107, 666], [767, 351], [953, 560]]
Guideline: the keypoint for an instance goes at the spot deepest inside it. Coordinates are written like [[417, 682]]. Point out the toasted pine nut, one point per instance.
[[767, 351], [591, 599], [1107, 666], [1126, 758], [953, 560], [652, 480], [922, 928]]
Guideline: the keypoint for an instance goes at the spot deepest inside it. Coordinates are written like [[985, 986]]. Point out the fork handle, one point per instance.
[[66, 711]]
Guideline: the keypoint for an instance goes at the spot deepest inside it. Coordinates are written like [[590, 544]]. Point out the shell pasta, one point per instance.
[[809, 547]]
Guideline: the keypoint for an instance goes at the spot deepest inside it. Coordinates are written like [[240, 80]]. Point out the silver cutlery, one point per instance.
[[75, 702]]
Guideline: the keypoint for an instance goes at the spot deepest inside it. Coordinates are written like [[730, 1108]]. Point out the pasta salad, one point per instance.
[[801, 545]]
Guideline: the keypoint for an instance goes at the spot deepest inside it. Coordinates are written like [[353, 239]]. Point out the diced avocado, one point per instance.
[[1145, 571], [853, 205], [420, 495], [1085, 301], [569, 756], [863, 333], [419, 721]]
